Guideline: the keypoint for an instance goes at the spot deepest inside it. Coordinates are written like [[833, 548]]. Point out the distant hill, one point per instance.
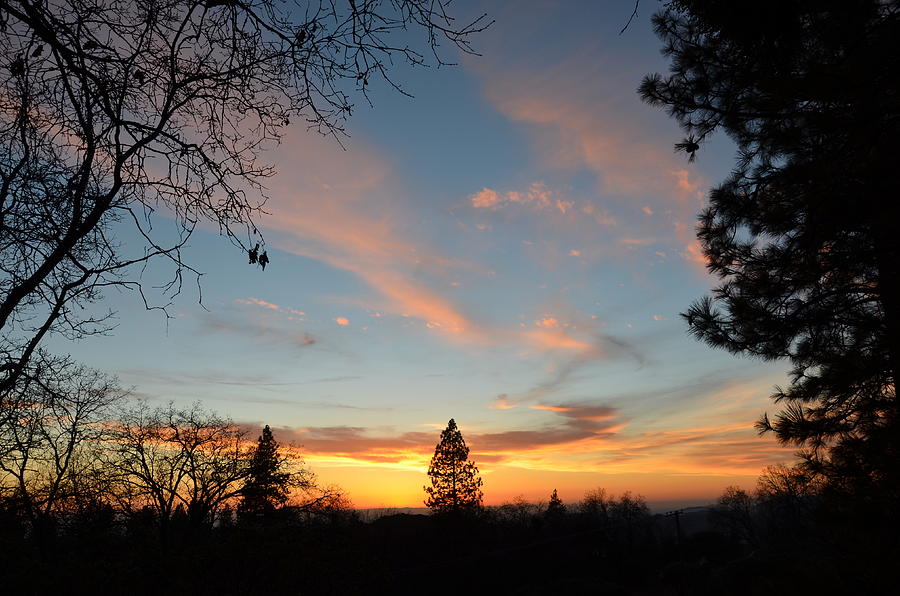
[[372, 513]]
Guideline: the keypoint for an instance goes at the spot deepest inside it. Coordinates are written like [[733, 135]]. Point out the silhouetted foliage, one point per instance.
[[734, 514], [134, 113], [267, 486], [50, 428], [175, 462], [802, 233], [455, 483], [594, 507], [555, 507], [520, 512]]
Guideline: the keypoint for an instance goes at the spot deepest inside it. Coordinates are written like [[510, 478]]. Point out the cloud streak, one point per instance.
[[259, 330], [581, 113], [585, 437], [352, 218]]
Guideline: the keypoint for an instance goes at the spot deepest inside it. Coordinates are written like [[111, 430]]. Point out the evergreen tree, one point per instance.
[[268, 484], [555, 508], [802, 233], [455, 483]]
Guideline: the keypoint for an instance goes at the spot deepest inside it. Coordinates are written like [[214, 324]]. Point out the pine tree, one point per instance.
[[268, 484], [803, 232], [455, 483], [555, 508]]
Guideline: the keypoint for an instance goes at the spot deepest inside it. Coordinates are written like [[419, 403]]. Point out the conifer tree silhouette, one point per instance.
[[555, 508], [455, 483], [268, 485], [803, 234]]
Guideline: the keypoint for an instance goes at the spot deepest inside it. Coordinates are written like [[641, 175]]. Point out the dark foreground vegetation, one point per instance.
[[784, 539], [801, 235], [103, 494]]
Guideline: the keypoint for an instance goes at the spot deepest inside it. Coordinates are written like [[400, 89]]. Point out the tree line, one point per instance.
[[799, 235], [94, 91], [90, 475], [72, 443]]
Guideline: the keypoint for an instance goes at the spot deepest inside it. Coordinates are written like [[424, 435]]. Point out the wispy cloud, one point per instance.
[[581, 114], [260, 330], [293, 313], [501, 402], [351, 217], [357, 222], [537, 197], [585, 436], [219, 377], [580, 412]]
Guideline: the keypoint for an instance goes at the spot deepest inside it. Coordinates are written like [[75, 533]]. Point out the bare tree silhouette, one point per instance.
[[143, 113], [49, 428], [169, 459]]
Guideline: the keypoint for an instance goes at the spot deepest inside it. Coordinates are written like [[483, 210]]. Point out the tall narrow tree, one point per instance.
[[268, 483], [455, 483]]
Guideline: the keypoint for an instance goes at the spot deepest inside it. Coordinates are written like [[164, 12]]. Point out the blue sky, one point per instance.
[[510, 248]]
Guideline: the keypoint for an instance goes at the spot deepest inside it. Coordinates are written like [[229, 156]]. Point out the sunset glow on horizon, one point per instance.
[[510, 248]]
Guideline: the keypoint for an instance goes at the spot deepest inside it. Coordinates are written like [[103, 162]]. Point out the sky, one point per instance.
[[511, 248]]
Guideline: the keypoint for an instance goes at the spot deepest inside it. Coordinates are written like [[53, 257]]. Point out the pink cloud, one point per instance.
[[692, 252], [547, 322], [501, 402], [576, 121], [341, 208], [258, 302], [628, 241], [352, 218], [580, 412], [539, 198], [486, 198], [559, 339]]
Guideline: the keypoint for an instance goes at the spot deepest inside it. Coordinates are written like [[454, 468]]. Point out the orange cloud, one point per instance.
[[574, 131], [692, 251], [538, 198], [342, 321], [347, 215], [258, 302], [693, 188], [600, 216], [576, 122], [559, 339], [485, 199], [581, 444], [580, 438], [501, 402], [352, 218], [547, 322], [591, 413]]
